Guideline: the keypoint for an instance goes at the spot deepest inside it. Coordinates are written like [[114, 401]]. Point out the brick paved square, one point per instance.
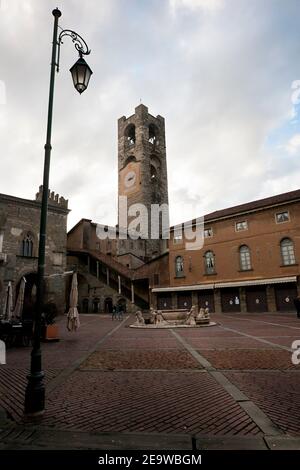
[[276, 393], [250, 359], [283, 340], [141, 343], [131, 359], [112, 378], [190, 402]]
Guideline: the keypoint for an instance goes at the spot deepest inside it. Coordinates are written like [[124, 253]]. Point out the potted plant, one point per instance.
[[49, 327]]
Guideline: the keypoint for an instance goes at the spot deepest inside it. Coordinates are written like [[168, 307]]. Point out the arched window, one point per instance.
[[179, 266], [153, 174], [96, 305], [27, 246], [245, 258], [209, 258], [130, 159], [154, 169], [287, 251], [130, 134], [153, 134]]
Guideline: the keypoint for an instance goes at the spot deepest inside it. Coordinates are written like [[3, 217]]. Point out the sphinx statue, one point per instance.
[[206, 313], [203, 316], [191, 317], [140, 321], [159, 318], [153, 316], [201, 313]]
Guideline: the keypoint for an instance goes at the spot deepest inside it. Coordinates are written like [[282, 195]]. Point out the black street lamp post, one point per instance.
[[81, 73]]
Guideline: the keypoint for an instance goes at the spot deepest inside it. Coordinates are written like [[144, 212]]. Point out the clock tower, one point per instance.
[[142, 171]]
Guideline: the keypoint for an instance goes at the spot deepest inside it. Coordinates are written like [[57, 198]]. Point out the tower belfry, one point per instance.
[[142, 171]]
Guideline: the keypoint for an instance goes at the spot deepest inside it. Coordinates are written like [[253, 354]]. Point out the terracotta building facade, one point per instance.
[[248, 262]]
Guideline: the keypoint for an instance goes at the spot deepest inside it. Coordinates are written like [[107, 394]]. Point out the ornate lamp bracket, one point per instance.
[[79, 43]]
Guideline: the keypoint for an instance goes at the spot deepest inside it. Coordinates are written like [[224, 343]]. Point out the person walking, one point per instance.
[[297, 305], [114, 312]]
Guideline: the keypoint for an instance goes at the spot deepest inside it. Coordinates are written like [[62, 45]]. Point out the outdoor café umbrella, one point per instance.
[[8, 305], [20, 300], [73, 317]]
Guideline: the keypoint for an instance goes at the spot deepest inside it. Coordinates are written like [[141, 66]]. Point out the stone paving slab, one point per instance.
[[43, 438], [283, 340], [266, 333], [220, 343], [213, 332], [283, 443], [231, 443]]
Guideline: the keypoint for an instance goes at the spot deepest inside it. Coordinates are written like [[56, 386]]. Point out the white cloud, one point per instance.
[[222, 81], [2, 92], [205, 5], [293, 145]]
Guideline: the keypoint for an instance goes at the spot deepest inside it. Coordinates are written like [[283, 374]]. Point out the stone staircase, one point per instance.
[[108, 271]]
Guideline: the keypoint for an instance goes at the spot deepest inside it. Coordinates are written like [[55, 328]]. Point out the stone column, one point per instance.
[[195, 299], [101, 303], [271, 301], [90, 304], [153, 299], [243, 303], [107, 276], [132, 293], [298, 285], [88, 263], [119, 284], [97, 264], [174, 300], [217, 300]]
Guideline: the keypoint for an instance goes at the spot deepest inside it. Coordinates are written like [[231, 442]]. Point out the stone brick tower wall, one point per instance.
[[20, 221], [142, 170]]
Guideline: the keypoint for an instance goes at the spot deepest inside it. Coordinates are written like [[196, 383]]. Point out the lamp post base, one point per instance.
[[35, 395]]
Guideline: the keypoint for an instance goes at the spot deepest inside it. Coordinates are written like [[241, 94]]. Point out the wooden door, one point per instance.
[[285, 294], [206, 299], [230, 299], [184, 300], [256, 299]]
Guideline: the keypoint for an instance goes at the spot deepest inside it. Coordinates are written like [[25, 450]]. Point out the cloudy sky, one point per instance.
[[225, 74]]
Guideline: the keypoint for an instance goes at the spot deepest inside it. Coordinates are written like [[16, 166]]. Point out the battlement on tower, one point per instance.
[[53, 199]]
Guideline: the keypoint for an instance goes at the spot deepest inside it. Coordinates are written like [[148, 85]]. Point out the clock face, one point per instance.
[[130, 179]]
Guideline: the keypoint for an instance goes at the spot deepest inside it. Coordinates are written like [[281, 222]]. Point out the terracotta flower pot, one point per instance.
[[51, 333]]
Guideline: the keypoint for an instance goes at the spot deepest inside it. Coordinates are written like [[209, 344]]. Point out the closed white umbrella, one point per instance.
[[73, 322], [20, 300], [8, 306]]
